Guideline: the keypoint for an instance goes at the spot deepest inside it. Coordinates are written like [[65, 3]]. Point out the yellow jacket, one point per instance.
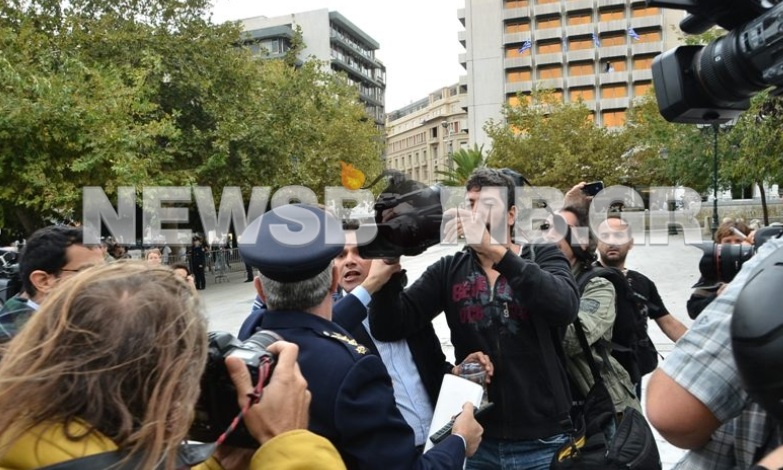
[[48, 445]]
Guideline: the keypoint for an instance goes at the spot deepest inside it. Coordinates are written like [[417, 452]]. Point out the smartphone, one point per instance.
[[591, 189]]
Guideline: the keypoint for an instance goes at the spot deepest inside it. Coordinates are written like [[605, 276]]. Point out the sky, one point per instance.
[[418, 38]]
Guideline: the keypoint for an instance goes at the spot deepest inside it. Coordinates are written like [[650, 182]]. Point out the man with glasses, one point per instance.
[[51, 254]]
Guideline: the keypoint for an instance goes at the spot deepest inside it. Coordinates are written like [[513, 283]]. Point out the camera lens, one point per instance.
[[721, 262], [262, 340], [724, 72]]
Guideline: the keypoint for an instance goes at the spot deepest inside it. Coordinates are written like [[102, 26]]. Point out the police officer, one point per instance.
[[353, 401]]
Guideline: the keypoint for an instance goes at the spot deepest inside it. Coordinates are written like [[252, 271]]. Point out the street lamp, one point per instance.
[[447, 128], [715, 130]]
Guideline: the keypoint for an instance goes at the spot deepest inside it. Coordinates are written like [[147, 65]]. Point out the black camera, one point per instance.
[[721, 262], [217, 405], [712, 84], [408, 215]]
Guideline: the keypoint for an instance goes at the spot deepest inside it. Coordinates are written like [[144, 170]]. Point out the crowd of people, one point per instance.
[[103, 360]]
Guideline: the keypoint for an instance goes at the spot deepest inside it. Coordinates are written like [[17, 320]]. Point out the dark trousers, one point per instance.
[[249, 270], [200, 278]]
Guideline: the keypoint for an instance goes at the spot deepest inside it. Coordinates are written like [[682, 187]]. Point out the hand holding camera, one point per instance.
[[285, 403]]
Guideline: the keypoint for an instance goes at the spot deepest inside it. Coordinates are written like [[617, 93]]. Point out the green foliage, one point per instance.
[[149, 92], [554, 143], [464, 161]]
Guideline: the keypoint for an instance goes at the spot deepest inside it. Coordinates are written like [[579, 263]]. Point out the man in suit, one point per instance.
[[353, 403]]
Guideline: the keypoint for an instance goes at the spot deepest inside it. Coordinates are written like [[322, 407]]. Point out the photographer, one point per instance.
[[706, 290], [696, 400], [110, 368]]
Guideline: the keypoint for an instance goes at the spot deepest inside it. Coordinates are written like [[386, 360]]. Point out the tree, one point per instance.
[[112, 93], [554, 143], [465, 161], [757, 137], [665, 153]]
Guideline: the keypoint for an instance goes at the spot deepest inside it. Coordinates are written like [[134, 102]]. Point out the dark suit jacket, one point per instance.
[[352, 399], [349, 312]]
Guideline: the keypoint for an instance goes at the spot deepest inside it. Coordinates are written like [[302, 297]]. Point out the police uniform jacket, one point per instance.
[[352, 398]]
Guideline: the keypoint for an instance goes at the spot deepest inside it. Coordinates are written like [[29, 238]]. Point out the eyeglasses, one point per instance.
[[75, 270]]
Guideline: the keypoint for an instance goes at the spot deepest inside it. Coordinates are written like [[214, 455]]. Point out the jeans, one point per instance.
[[536, 454]]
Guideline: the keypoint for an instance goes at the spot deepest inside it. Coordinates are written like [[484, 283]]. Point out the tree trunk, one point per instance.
[[764, 208], [28, 224]]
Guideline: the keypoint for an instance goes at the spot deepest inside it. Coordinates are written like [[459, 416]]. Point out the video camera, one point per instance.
[[217, 406], [408, 215], [721, 262], [712, 84]]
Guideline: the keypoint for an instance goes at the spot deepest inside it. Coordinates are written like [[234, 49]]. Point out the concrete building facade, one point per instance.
[[330, 37], [421, 137], [599, 51]]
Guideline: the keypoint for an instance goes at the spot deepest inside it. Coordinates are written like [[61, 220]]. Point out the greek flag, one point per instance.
[[633, 34], [565, 43], [525, 46], [596, 41]]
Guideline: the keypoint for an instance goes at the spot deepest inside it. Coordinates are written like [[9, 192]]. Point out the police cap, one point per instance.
[[292, 243]]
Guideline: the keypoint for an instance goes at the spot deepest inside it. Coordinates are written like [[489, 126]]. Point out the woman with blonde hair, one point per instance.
[[153, 257], [113, 360]]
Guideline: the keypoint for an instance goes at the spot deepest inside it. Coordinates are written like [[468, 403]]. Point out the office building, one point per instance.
[[421, 137], [330, 37], [599, 51]]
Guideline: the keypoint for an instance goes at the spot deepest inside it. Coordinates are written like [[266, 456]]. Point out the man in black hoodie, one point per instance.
[[497, 296]]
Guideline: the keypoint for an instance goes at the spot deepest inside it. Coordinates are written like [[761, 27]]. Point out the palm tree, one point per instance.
[[465, 161]]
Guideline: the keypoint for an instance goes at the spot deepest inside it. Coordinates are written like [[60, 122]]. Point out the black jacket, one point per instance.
[[499, 323]]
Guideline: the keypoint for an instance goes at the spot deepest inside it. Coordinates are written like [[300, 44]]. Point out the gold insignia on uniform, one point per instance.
[[349, 341]]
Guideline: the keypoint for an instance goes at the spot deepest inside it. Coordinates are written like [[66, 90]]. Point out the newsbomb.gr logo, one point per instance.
[[534, 205]]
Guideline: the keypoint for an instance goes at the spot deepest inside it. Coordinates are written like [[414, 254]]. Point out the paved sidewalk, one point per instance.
[[673, 267]]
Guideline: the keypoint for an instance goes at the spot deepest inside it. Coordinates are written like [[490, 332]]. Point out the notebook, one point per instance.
[[454, 392]]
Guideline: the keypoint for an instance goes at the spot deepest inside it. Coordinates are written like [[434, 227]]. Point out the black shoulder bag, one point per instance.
[[632, 447]]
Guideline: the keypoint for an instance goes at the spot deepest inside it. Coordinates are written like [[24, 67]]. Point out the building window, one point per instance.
[[650, 36], [611, 15], [639, 12], [513, 76], [545, 72], [514, 100], [581, 68], [641, 89], [550, 48], [642, 63], [515, 4], [517, 27], [614, 91], [579, 18], [617, 64], [586, 94], [580, 44], [548, 22], [614, 40], [613, 118]]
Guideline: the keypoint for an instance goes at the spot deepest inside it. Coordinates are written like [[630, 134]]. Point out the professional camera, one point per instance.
[[757, 335], [10, 282], [217, 405], [712, 84], [408, 215], [721, 262]]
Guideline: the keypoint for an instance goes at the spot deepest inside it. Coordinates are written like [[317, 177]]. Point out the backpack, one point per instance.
[[630, 344]]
